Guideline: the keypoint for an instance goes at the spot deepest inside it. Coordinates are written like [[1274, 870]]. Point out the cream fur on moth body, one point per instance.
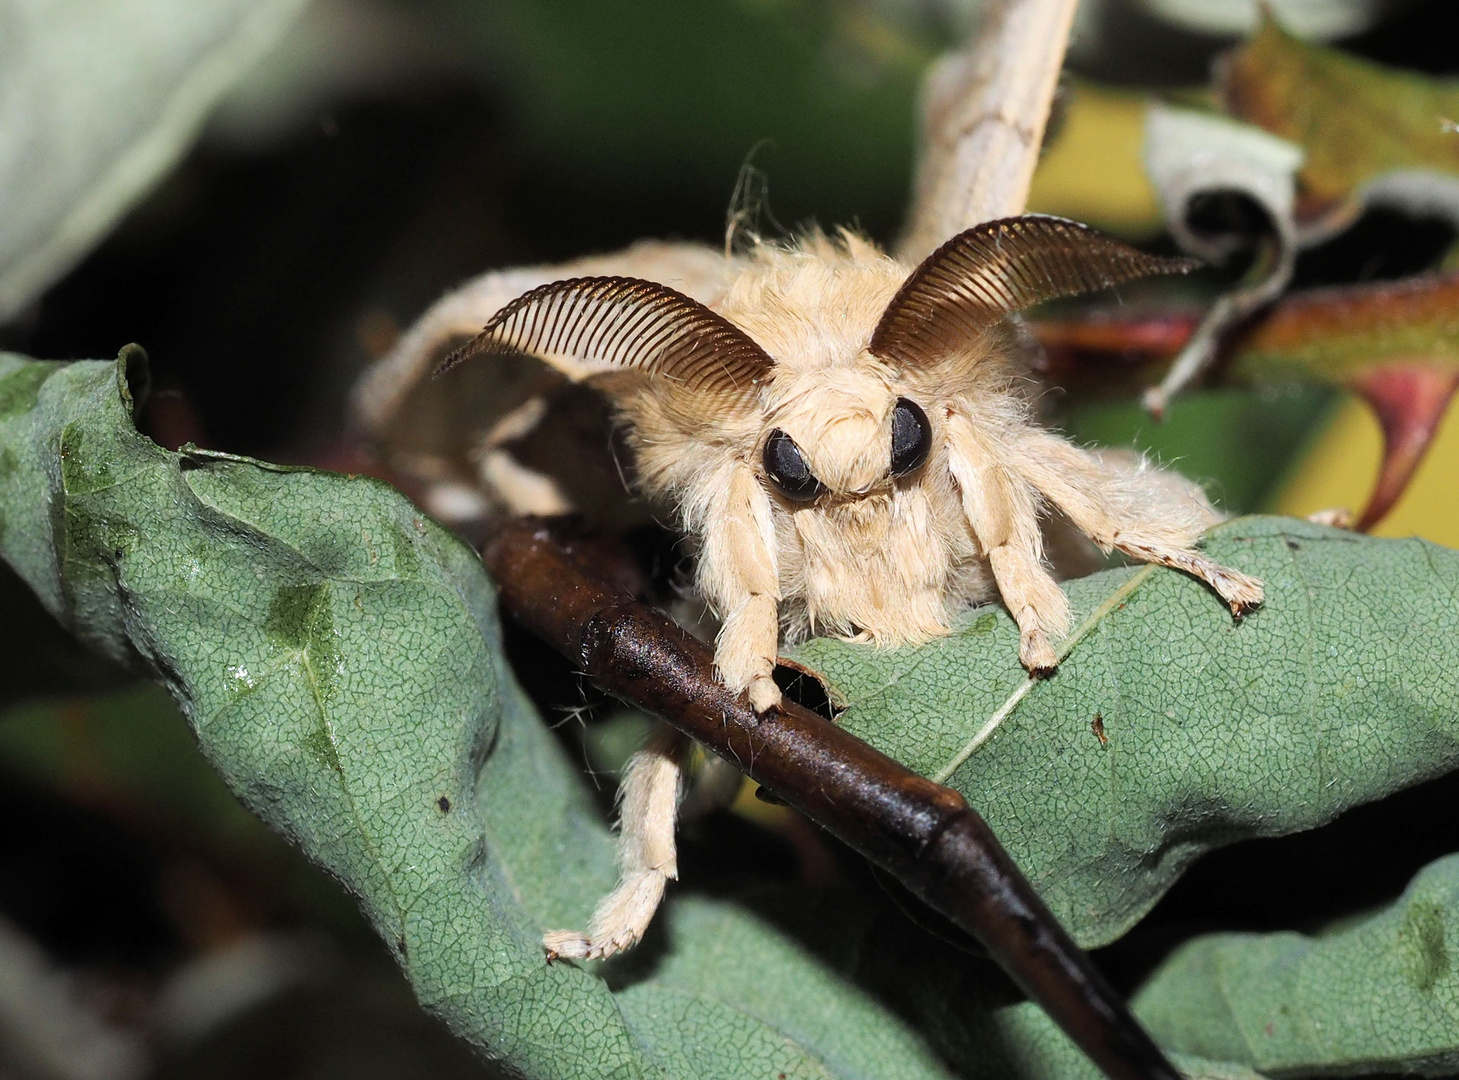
[[768, 428], [848, 442]]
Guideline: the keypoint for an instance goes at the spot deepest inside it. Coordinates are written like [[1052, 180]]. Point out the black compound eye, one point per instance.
[[787, 468], [911, 437]]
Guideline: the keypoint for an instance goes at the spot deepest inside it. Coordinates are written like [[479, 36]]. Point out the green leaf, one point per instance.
[[1381, 996], [1338, 691], [338, 657]]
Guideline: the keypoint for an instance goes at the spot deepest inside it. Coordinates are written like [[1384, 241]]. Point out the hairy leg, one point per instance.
[[1003, 512], [1135, 509], [738, 574], [648, 803]]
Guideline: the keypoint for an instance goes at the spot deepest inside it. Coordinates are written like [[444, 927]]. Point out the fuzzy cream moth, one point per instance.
[[848, 443]]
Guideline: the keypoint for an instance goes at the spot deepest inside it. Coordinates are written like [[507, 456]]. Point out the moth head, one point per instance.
[[842, 432], [848, 429]]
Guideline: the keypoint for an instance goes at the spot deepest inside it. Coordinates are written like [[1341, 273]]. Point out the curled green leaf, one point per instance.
[[339, 659]]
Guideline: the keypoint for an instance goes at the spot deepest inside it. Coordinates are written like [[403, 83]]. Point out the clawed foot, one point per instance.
[[618, 924], [1241, 593], [572, 945], [1037, 652], [764, 695]]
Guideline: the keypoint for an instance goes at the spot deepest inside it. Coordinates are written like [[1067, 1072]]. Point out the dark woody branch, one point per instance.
[[922, 833]]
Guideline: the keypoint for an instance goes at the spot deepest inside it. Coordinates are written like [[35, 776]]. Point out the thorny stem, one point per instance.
[[922, 833], [1110, 602]]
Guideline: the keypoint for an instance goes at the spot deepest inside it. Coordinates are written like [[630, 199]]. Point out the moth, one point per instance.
[[850, 443]]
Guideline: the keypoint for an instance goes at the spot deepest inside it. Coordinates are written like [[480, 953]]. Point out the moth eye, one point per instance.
[[787, 468], [911, 437]]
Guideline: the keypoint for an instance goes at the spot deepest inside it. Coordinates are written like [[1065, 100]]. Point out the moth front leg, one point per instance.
[[648, 800], [1137, 511], [739, 575], [1003, 513]]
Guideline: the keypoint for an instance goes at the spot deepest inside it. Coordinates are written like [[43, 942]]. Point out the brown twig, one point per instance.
[[924, 834]]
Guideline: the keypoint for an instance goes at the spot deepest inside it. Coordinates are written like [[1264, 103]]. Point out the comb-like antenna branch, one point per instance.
[[587, 326], [990, 271]]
